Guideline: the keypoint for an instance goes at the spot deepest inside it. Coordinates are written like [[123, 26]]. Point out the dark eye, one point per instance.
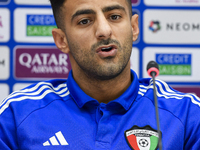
[[115, 17], [84, 22]]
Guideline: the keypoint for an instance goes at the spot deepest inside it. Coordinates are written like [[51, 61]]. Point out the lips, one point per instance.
[[107, 51]]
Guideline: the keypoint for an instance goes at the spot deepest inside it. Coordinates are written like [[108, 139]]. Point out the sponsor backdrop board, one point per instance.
[[170, 27], [19, 86], [4, 88], [40, 62], [32, 2], [4, 63], [33, 25], [4, 2], [188, 89], [135, 60], [4, 25], [175, 64], [169, 34], [178, 3]]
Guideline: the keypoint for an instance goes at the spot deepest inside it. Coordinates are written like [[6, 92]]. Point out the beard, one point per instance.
[[109, 67]]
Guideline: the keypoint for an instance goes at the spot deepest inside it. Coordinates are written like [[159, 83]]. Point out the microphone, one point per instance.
[[153, 71]]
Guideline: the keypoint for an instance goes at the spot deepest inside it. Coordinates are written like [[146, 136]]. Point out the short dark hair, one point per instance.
[[57, 11], [56, 7]]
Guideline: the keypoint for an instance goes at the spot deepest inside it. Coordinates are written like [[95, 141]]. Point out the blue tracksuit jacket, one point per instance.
[[58, 115]]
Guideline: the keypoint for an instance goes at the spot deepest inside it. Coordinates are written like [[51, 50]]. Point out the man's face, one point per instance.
[[99, 36]]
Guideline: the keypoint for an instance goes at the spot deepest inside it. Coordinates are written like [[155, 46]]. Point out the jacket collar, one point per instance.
[[125, 100]]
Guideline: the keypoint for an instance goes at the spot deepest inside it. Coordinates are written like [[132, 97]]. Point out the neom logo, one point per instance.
[[40, 25], [154, 26], [174, 64], [41, 63], [183, 26]]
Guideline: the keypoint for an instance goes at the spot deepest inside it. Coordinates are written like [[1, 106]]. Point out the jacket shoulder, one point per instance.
[[35, 96], [165, 92]]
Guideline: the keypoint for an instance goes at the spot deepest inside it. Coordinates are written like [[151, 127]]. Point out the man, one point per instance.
[[102, 104]]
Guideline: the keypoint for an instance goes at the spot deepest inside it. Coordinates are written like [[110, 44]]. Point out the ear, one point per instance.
[[60, 40], [135, 28]]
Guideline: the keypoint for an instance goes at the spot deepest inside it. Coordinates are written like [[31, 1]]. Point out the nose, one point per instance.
[[103, 28]]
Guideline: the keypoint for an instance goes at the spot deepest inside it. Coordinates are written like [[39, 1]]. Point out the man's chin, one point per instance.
[[106, 74]]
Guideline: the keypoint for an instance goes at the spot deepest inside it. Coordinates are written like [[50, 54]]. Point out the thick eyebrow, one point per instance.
[[110, 8], [82, 12], [90, 11]]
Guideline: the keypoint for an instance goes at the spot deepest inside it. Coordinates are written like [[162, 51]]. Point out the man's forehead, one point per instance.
[[75, 5]]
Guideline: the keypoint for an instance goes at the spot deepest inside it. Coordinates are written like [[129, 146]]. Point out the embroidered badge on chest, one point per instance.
[[142, 138]]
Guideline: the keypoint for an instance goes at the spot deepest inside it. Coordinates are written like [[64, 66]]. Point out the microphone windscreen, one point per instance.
[[152, 67], [152, 64]]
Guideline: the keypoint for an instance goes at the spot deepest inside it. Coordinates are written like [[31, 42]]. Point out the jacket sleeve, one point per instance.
[[192, 138], [8, 137], [192, 126]]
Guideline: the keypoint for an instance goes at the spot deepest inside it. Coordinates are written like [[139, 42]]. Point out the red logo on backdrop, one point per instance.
[[41, 62], [134, 2], [1, 26], [188, 89]]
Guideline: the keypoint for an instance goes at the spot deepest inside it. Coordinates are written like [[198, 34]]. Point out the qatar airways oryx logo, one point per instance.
[[173, 28], [41, 63], [40, 25]]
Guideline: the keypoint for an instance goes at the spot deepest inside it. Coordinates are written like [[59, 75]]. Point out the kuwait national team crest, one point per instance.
[[144, 138]]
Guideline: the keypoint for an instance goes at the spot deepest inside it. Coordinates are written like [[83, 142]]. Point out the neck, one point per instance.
[[104, 91]]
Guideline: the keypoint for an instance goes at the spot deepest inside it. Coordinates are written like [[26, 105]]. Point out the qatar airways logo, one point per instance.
[[40, 25], [41, 63]]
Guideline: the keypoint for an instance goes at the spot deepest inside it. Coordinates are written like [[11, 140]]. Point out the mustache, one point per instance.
[[105, 42]]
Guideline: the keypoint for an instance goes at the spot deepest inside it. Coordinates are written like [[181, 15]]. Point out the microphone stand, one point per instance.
[[156, 108]]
